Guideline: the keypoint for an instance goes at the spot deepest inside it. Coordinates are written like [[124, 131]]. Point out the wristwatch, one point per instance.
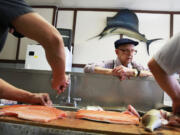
[[136, 72]]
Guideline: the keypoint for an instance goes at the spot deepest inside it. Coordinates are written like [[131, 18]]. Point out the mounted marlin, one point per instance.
[[125, 22]]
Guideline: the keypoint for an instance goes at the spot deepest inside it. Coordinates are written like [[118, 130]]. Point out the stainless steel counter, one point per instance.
[[90, 89], [109, 91], [24, 129]]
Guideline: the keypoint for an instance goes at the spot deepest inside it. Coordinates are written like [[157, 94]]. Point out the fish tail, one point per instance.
[[150, 41], [149, 128]]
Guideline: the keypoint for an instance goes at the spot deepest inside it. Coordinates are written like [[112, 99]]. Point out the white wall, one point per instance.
[[176, 28], [10, 47], [91, 23], [153, 26], [88, 25], [47, 13], [65, 19]]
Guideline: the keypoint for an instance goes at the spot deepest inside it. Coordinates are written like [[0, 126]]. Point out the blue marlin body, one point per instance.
[[125, 31], [125, 23]]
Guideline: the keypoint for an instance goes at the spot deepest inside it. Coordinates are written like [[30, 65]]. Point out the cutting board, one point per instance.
[[95, 127]]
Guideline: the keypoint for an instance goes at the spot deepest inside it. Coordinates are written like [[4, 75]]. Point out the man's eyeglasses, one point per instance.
[[127, 51]]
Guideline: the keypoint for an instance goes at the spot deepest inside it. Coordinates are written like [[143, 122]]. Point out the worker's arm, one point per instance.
[[168, 83], [8, 91], [33, 26]]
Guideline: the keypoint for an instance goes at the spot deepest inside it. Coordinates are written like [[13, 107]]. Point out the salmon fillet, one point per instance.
[[33, 112], [125, 117]]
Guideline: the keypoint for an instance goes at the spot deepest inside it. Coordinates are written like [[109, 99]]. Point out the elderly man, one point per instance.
[[122, 66]]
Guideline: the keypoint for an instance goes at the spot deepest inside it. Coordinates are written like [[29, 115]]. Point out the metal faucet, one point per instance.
[[67, 101], [75, 101], [69, 90]]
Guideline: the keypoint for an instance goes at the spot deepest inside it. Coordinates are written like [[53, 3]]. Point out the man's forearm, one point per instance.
[[7, 91], [144, 73], [166, 82], [56, 56], [101, 70], [138, 73]]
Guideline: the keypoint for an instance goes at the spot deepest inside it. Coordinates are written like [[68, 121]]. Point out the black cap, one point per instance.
[[124, 41]]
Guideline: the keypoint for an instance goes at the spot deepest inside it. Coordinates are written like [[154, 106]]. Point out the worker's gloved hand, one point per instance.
[[41, 98]]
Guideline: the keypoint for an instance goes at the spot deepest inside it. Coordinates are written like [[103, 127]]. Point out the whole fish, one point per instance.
[[156, 118], [125, 22], [153, 119]]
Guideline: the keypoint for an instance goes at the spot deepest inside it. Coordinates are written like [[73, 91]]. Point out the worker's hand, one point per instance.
[[123, 72], [176, 107], [60, 83], [41, 98]]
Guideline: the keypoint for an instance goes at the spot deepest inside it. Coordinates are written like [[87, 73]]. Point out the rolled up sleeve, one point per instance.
[[168, 57]]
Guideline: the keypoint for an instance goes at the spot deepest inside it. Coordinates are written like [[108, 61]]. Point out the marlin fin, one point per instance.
[[112, 30], [101, 35], [94, 37], [150, 41]]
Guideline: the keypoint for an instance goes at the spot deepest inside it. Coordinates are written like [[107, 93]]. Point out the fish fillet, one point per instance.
[[126, 117], [33, 112]]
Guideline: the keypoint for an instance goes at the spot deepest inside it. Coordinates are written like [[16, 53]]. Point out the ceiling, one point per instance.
[[157, 5]]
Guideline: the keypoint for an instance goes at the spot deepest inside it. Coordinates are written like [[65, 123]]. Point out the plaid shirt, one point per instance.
[[111, 64]]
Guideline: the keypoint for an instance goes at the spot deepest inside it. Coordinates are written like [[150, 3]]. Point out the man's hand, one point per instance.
[[41, 98], [123, 72], [59, 84], [176, 107]]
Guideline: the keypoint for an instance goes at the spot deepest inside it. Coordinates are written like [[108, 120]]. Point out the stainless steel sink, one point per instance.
[[66, 108], [25, 129], [117, 109]]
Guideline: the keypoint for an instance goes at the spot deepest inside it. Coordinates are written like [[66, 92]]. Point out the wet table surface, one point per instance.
[[71, 123]]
